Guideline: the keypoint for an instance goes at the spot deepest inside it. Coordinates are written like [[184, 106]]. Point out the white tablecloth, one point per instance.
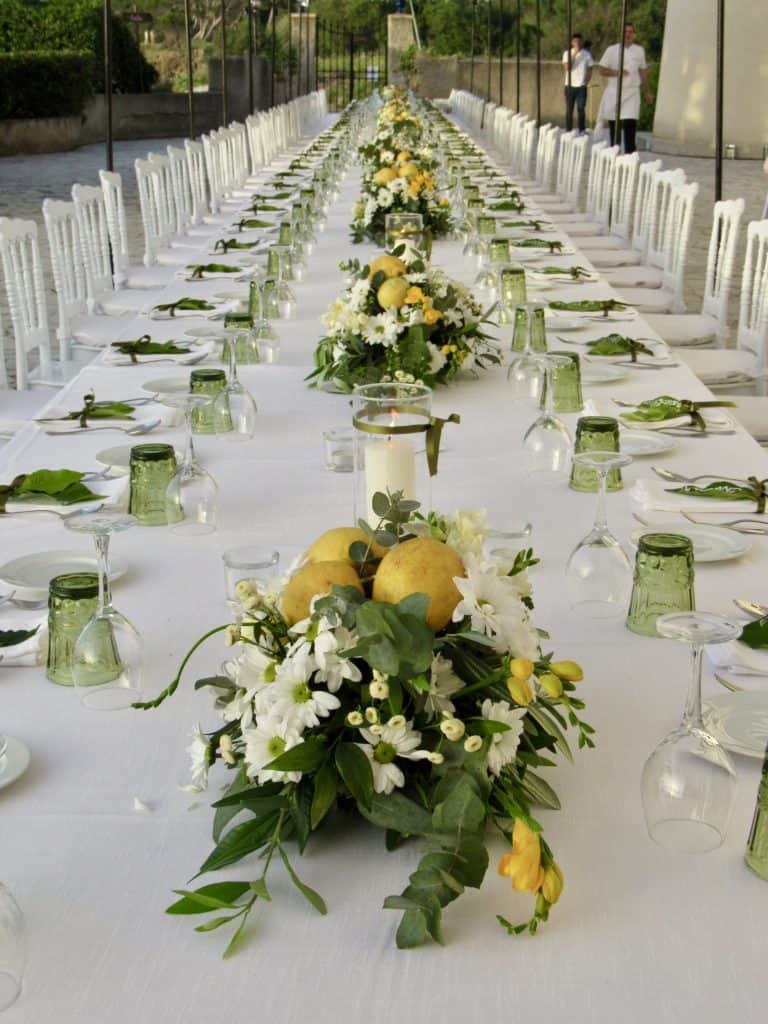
[[639, 935]]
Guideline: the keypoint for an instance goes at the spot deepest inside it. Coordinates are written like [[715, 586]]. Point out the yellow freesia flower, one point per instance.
[[413, 296], [523, 864], [431, 316], [552, 886], [519, 691]]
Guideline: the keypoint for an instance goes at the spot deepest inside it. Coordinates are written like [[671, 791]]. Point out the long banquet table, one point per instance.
[[639, 934]]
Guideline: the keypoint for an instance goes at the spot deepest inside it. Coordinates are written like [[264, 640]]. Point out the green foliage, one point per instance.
[[44, 84]]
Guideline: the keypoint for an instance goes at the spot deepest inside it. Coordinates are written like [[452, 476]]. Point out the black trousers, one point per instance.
[[576, 95], [629, 129]]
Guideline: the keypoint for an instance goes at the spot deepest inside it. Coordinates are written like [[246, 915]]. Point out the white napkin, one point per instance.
[[184, 314], [654, 494], [113, 493], [114, 358], [32, 651], [208, 275], [739, 659], [716, 420]]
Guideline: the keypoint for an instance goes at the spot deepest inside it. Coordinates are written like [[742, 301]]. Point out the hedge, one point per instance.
[[76, 26], [41, 84]]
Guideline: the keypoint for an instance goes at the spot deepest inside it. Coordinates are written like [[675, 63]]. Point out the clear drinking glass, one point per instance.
[[236, 402], [13, 948], [339, 450], [247, 562], [191, 500], [547, 442], [108, 657], [689, 782], [526, 371], [598, 573]]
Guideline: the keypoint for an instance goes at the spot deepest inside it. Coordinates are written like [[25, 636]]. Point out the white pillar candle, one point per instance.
[[389, 466]]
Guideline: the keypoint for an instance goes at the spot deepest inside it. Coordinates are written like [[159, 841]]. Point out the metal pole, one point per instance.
[[110, 161], [472, 48], [538, 62], [190, 84], [307, 63], [273, 58], [351, 67], [290, 42], [568, 106], [517, 67], [620, 77], [720, 65], [223, 63], [317, 54], [251, 98], [501, 53], [298, 51], [488, 48]]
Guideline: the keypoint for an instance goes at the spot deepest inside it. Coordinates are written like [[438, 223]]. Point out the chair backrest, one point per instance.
[[197, 185], [641, 222], [659, 201], [525, 152], [752, 332], [25, 291], [720, 261], [164, 194], [565, 156], [114, 207], [599, 200], [213, 170], [91, 215], [178, 167], [66, 252], [3, 369], [594, 172], [156, 231], [678, 239], [546, 157], [623, 197]]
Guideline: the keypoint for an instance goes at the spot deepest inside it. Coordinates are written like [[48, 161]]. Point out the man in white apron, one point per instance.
[[635, 75]]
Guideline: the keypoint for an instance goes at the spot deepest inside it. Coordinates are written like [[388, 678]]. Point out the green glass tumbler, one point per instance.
[[273, 262], [538, 332], [486, 226], [73, 600], [595, 434], [513, 289], [152, 468], [757, 844], [566, 385], [475, 202], [285, 237], [207, 420], [663, 580], [498, 252]]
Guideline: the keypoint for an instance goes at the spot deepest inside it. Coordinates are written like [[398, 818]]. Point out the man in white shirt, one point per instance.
[[576, 89], [635, 75]]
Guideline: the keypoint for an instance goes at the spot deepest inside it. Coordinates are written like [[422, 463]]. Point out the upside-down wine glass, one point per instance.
[[236, 401], [689, 781], [108, 657], [598, 573], [13, 952], [526, 371], [191, 500], [547, 442]]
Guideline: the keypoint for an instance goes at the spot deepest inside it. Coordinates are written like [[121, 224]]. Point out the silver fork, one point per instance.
[[54, 512], [678, 478], [758, 527], [140, 428]]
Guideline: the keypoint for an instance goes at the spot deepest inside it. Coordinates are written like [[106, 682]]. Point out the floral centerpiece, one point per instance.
[[397, 674], [401, 319], [399, 176]]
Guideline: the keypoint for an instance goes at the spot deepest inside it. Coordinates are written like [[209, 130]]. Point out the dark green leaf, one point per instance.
[[324, 795], [300, 803], [399, 813], [355, 769], [462, 810], [308, 893], [224, 814], [259, 886], [210, 897], [540, 791], [755, 634], [722, 490], [413, 930], [240, 841], [11, 637], [304, 757]]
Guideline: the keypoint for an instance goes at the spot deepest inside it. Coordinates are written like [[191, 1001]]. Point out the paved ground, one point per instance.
[[27, 180]]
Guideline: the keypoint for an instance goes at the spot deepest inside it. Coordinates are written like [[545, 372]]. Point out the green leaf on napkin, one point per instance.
[[665, 407], [755, 634], [507, 204], [604, 306], [535, 225], [537, 243], [182, 304], [146, 347], [618, 345], [574, 272], [248, 223], [62, 485], [225, 244], [12, 637], [198, 269], [725, 490]]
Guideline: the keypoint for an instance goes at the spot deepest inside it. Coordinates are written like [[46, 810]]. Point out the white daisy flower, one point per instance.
[[467, 532], [503, 748], [493, 604], [199, 752], [332, 669], [387, 743], [270, 738], [443, 683]]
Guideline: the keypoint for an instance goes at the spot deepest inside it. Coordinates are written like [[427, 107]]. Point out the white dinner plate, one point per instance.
[[205, 333], [601, 373], [638, 443], [234, 294], [557, 323], [739, 721], [118, 459], [30, 575], [710, 543], [166, 385], [15, 762]]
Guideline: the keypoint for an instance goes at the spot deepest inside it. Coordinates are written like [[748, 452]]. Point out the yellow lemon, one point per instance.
[[384, 176], [391, 294], [390, 266], [421, 566], [315, 578], [333, 545], [408, 170]]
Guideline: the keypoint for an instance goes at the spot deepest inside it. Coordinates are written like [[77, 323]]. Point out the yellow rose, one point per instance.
[[552, 886], [431, 316], [569, 670], [523, 864], [519, 691]]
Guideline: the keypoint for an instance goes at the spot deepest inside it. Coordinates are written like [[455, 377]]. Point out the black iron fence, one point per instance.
[[348, 66]]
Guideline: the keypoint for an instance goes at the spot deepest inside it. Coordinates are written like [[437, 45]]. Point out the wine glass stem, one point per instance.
[[692, 713], [189, 449], [549, 398], [101, 541], [232, 361], [601, 519]]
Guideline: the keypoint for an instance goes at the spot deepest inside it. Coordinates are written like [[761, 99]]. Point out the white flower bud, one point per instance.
[[377, 730], [436, 757], [472, 744], [231, 635], [397, 721], [225, 748], [453, 729], [355, 719], [379, 691], [371, 716], [243, 589], [250, 602]]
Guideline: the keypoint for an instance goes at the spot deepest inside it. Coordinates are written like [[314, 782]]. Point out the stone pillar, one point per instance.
[[303, 46], [400, 36], [684, 122]]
